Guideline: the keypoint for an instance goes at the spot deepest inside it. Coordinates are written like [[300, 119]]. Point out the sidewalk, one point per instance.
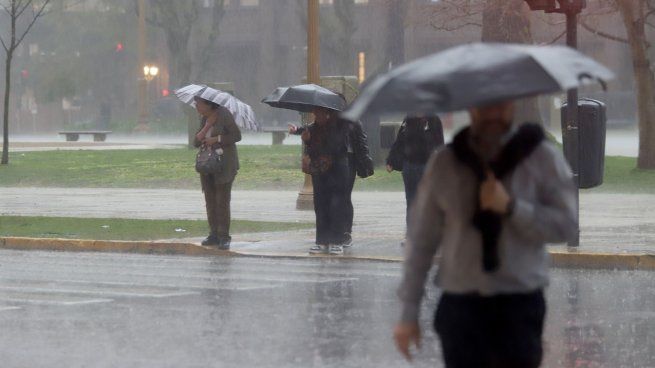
[[611, 223]]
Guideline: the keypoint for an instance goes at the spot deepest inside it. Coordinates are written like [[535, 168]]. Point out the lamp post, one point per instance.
[[142, 121], [305, 199], [149, 73], [570, 8]]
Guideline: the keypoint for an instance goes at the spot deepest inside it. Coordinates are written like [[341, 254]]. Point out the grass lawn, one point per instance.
[[122, 229], [262, 167]]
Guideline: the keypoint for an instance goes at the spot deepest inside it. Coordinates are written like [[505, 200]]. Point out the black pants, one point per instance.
[[217, 202], [331, 204], [503, 331], [412, 174]]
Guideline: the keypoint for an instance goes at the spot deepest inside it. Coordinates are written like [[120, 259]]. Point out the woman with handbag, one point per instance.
[[218, 163]]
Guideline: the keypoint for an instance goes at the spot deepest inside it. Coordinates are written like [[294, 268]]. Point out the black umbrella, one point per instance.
[[304, 98], [474, 75]]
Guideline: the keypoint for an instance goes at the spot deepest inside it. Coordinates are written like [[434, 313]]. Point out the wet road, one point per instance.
[[113, 310]]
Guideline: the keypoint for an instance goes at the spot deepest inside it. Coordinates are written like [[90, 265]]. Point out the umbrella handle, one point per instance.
[[602, 83]]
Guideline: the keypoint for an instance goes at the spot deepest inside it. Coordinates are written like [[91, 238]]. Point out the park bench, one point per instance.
[[279, 133], [98, 135]]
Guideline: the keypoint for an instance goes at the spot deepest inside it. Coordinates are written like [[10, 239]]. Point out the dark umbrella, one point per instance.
[[304, 98], [474, 75]]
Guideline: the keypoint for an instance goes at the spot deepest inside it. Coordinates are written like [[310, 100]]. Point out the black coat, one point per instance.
[[416, 140], [356, 143]]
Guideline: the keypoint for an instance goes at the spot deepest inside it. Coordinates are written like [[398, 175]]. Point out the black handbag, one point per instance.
[[208, 161]]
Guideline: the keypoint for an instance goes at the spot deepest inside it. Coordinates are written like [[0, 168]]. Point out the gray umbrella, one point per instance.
[[474, 75], [304, 98]]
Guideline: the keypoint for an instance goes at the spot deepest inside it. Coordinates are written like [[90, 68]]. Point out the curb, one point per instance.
[[559, 258]]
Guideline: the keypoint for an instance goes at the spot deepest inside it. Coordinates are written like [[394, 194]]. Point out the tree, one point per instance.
[[18, 12], [635, 15], [179, 20], [504, 21]]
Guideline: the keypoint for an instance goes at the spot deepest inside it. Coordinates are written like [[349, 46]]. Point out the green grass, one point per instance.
[[126, 229], [622, 176], [262, 167]]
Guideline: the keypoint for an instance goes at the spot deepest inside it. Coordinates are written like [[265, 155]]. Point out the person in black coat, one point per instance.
[[326, 159], [417, 138]]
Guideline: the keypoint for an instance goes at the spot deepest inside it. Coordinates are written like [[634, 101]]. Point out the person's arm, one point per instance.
[[424, 238], [397, 148], [552, 218], [365, 167], [436, 128], [198, 142], [231, 134], [296, 130]]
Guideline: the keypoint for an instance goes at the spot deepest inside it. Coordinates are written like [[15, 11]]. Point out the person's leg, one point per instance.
[[412, 174], [462, 328], [223, 215], [208, 188], [320, 210], [519, 329]]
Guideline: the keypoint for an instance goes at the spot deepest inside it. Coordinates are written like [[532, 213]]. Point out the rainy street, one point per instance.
[[123, 310]]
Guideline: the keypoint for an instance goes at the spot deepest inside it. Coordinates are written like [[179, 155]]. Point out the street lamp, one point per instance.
[[150, 72]]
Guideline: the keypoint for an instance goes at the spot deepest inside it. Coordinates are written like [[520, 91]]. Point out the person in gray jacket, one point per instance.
[[489, 202]]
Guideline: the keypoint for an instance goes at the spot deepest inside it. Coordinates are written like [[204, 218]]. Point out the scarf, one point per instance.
[[519, 147]]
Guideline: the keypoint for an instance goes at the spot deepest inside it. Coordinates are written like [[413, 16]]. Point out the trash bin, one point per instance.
[[592, 128]]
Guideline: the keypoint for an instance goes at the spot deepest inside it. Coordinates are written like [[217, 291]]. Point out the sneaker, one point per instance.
[[224, 243], [347, 240], [336, 250], [210, 240], [319, 249]]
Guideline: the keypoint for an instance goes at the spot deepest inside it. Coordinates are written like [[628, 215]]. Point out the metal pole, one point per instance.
[[141, 99], [572, 120], [305, 199]]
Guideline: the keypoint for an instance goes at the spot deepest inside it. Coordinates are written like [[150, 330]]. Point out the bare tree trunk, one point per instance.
[[508, 21], [633, 15], [5, 117]]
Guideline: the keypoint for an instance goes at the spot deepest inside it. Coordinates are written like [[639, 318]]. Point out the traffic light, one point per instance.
[[119, 47]]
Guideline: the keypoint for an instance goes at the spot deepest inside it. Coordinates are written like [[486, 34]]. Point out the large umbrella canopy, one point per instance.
[[474, 75], [242, 112], [304, 98]]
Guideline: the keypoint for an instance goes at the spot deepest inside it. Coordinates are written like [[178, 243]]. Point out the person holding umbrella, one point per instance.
[[218, 133], [360, 164], [325, 158], [490, 201]]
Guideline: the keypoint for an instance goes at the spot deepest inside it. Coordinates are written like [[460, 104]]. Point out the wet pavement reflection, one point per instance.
[[109, 310]]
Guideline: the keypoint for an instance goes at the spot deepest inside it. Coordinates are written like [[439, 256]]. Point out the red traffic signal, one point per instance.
[[119, 47]]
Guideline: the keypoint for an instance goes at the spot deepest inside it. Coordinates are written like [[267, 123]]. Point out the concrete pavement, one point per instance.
[[618, 231], [126, 310]]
